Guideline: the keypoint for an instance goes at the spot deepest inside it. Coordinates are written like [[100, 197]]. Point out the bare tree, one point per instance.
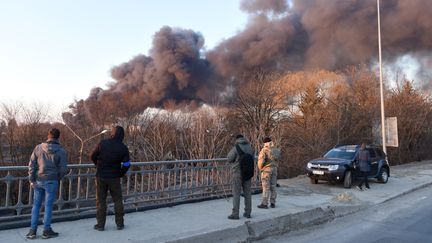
[[414, 113], [256, 107]]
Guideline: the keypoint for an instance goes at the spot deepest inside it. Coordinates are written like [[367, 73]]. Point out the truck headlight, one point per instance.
[[309, 165], [333, 167]]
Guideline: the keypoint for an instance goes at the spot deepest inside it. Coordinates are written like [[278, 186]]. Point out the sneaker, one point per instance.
[[247, 215], [233, 216], [262, 206], [120, 227], [359, 188], [272, 205], [31, 234], [98, 228], [49, 234]]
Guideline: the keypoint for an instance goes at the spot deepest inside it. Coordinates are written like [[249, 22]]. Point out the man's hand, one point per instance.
[[32, 184]]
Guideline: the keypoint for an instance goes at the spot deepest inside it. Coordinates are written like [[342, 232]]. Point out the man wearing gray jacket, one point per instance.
[[47, 166], [238, 183]]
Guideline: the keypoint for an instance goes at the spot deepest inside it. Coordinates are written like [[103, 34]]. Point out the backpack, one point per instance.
[[272, 156], [247, 165]]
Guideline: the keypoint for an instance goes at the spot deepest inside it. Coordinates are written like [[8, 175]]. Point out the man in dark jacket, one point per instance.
[[364, 162], [111, 157], [47, 166], [238, 184]]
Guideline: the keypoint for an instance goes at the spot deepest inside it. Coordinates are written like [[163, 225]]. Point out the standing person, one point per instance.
[[364, 162], [267, 164], [47, 166], [239, 184], [111, 157]]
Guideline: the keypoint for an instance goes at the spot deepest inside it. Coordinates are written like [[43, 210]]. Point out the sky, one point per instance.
[[55, 51]]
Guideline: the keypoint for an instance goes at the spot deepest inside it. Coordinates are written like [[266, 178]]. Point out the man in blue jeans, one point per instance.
[[47, 166]]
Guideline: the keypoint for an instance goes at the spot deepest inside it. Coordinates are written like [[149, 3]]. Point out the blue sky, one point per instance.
[[53, 51]]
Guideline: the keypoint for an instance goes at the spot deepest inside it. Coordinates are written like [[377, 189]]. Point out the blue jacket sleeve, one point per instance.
[[125, 163]]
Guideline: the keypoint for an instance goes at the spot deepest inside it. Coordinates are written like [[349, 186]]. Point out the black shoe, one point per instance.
[[247, 215], [233, 216], [272, 205], [359, 188], [120, 227], [367, 187], [98, 228], [49, 234], [262, 206], [31, 234]]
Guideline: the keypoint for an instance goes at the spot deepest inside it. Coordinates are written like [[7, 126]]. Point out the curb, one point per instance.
[[407, 192], [258, 230]]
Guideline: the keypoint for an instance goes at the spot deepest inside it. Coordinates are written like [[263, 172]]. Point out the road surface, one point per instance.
[[405, 219]]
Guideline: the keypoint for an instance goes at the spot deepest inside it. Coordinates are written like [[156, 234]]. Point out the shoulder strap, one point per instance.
[[239, 151]]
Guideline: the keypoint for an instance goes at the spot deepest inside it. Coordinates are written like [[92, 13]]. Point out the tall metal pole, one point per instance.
[[381, 82]]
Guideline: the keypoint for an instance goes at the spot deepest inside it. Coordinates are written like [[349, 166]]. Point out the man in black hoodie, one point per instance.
[[111, 157]]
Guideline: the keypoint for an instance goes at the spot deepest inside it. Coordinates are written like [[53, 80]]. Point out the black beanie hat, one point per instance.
[[267, 139]]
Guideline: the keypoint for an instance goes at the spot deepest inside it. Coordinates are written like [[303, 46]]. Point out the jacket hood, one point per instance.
[[117, 133], [51, 146], [241, 141]]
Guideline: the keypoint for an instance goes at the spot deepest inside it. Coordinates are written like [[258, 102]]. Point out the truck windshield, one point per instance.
[[342, 153]]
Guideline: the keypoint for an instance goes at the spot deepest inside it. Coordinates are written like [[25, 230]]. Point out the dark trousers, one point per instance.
[[364, 178], [114, 187]]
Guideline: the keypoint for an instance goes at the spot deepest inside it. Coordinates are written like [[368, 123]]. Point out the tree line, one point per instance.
[[305, 113]]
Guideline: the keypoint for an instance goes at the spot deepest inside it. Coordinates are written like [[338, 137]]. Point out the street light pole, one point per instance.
[[383, 135], [83, 141], [88, 139], [80, 155]]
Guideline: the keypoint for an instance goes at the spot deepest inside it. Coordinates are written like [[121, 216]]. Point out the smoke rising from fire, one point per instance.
[[280, 36]]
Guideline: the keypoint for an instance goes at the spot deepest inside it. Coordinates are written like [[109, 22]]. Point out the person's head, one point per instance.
[[363, 145], [267, 140], [117, 132], [53, 133], [239, 136]]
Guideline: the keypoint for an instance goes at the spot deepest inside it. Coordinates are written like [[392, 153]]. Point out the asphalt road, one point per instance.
[[405, 219]]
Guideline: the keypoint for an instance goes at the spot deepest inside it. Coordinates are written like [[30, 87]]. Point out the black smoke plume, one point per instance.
[[280, 36]]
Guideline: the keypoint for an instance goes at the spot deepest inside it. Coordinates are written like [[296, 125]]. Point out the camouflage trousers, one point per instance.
[[269, 180]]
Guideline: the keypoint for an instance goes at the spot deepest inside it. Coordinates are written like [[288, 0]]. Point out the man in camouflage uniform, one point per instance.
[[267, 164]]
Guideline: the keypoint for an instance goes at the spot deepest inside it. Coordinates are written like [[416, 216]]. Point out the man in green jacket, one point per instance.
[[238, 184]]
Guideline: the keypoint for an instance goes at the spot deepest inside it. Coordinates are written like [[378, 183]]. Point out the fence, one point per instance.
[[146, 185]]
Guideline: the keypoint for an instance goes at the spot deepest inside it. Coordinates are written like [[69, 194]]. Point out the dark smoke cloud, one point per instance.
[[345, 32], [174, 70], [253, 6], [280, 37]]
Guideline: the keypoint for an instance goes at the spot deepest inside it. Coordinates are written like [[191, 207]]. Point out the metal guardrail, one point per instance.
[[146, 185]]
